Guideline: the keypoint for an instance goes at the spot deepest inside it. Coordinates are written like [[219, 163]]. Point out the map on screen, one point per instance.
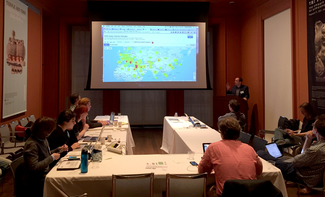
[[149, 53]]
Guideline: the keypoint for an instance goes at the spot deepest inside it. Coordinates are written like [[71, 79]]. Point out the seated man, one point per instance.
[[74, 99], [308, 167], [234, 107], [92, 124], [230, 158]]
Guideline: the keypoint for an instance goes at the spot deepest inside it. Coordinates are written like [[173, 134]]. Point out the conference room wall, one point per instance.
[[252, 53], [34, 66], [249, 29]]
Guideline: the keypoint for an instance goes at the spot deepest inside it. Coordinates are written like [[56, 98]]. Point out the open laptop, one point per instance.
[[205, 146], [95, 139], [273, 150]]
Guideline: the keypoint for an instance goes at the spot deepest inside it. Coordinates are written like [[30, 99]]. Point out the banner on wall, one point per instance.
[[15, 58], [316, 53]]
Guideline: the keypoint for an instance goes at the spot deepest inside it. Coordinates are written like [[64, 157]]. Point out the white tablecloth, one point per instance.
[[123, 133], [179, 137], [98, 181]]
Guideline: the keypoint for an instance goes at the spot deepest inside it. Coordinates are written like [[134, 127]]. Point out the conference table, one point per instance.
[[98, 180], [180, 136]]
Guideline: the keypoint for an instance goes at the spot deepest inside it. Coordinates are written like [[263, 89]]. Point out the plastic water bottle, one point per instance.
[[84, 161], [175, 115]]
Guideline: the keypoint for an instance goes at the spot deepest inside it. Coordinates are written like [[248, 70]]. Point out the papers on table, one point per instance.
[[69, 165], [174, 120], [154, 165]]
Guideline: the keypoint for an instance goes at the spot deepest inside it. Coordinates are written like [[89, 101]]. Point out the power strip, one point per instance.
[[111, 148]]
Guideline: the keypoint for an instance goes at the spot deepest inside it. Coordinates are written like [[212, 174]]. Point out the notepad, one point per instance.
[[69, 165]]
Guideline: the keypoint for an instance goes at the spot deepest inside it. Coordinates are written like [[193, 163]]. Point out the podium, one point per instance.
[[221, 107]]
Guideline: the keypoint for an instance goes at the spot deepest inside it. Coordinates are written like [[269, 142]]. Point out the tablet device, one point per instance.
[[273, 150], [205, 146]]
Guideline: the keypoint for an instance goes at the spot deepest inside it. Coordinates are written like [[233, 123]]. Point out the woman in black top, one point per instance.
[[284, 137], [64, 134]]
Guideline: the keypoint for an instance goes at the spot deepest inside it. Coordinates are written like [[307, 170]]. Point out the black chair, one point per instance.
[[258, 143], [17, 169], [250, 188], [244, 137]]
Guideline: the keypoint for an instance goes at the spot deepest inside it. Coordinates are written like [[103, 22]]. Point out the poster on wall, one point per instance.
[[316, 53], [14, 58]]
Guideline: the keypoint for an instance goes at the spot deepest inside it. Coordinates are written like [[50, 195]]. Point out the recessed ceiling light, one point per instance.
[[231, 2]]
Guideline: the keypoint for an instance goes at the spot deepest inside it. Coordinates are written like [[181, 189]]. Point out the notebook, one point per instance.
[[273, 150], [205, 146]]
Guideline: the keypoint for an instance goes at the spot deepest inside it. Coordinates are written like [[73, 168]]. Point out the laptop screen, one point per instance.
[[205, 146], [273, 150]]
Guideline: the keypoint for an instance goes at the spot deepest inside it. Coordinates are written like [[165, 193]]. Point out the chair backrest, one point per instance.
[[31, 118], [251, 188], [186, 185], [4, 132], [132, 185], [17, 169], [15, 163], [23, 122], [258, 143], [13, 125], [244, 137]]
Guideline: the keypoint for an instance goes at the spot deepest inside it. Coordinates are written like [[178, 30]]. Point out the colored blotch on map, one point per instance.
[[157, 52], [165, 58], [122, 68], [134, 75], [158, 59], [166, 75], [128, 69], [140, 51], [119, 62], [129, 48], [169, 65], [155, 72], [160, 67]]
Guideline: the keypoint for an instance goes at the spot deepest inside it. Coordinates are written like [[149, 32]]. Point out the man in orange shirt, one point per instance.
[[230, 158]]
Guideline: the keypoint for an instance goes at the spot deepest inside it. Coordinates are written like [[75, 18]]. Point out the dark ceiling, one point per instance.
[[218, 8]]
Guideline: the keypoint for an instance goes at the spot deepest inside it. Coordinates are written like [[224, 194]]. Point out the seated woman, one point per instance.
[[64, 134], [81, 126], [230, 158], [38, 157], [284, 137]]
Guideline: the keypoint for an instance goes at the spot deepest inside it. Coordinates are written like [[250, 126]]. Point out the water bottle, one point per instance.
[[84, 161]]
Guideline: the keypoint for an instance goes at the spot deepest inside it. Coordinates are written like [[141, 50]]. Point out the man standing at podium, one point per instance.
[[239, 89]]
